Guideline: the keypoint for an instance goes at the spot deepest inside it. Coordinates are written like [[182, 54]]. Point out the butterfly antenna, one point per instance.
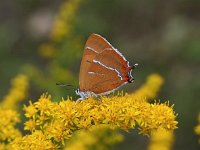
[[66, 85]]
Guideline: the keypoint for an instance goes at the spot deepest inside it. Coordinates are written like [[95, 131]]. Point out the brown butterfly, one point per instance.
[[103, 68]]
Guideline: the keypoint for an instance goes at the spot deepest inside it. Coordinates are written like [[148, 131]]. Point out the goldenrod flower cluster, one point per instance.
[[8, 132], [17, 92], [54, 123], [100, 137], [161, 139], [150, 89], [8, 116], [62, 25], [35, 141], [61, 29], [197, 128]]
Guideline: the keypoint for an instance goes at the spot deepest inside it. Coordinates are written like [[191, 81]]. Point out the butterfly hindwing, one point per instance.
[[103, 68]]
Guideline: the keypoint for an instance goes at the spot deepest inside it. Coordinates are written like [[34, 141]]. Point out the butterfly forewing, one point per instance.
[[94, 45], [103, 68], [112, 59], [97, 43]]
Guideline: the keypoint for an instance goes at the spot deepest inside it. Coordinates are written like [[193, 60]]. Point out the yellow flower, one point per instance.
[[35, 141], [47, 50], [44, 104], [57, 131], [3, 146], [8, 116], [97, 137], [40, 111], [30, 125], [30, 110], [161, 139], [57, 122], [18, 91], [8, 121], [62, 26], [150, 89], [197, 128]]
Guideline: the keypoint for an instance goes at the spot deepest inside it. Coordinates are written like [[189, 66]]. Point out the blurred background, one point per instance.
[[44, 39]]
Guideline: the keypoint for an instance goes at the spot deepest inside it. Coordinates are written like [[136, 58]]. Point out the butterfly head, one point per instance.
[[130, 78], [83, 95]]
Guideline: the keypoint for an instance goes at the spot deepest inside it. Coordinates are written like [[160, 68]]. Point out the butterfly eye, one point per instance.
[[77, 91]]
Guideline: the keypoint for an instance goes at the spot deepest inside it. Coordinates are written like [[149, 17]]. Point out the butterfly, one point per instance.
[[103, 68]]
